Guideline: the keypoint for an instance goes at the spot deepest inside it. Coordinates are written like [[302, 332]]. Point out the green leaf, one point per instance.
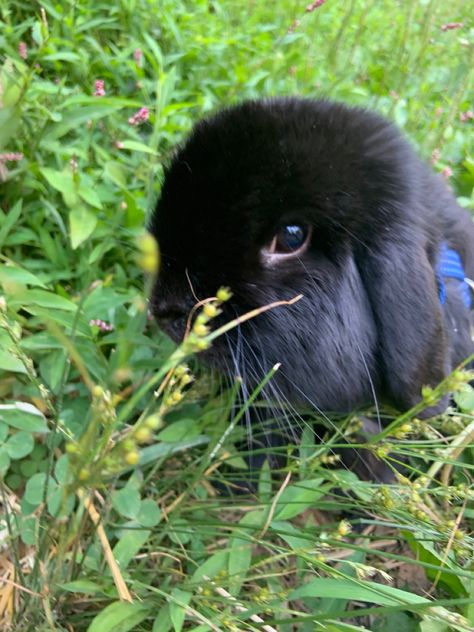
[[465, 399], [34, 490], [129, 545], [42, 298], [82, 222], [116, 172], [426, 552], [357, 591], [265, 483], [11, 218], [292, 535], [23, 416], [119, 617], [85, 586], [19, 445], [149, 514], [62, 181], [12, 275], [57, 503], [179, 431], [177, 611], [163, 622], [4, 460], [134, 145], [79, 116], [4, 430], [127, 502], [90, 196], [211, 567], [297, 498], [240, 550]]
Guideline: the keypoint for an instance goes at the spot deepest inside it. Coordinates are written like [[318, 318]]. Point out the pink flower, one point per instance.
[[139, 117], [137, 56], [99, 88], [102, 325], [450, 26], [447, 172], [22, 50], [119, 144], [11, 156], [466, 116], [314, 5]]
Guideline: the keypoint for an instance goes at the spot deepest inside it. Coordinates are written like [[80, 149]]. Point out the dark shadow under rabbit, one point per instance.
[[282, 197]]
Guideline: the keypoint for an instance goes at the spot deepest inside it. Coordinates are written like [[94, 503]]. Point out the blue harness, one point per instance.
[[450, 266]]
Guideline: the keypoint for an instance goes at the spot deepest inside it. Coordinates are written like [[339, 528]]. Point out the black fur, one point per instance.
[[370, 320]]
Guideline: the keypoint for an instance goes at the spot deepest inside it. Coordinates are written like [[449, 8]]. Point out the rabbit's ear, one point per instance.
[[412, 347]]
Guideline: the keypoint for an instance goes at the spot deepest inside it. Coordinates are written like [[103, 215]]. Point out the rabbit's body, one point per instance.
[[371, 324]]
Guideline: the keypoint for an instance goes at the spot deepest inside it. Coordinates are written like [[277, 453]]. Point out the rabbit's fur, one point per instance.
[[370, 324]]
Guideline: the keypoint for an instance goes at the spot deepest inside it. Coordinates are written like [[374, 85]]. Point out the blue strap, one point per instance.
[[450, 267]]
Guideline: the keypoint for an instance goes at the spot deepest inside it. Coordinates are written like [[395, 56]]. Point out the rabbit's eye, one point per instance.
[[290, 238], [290, 241]]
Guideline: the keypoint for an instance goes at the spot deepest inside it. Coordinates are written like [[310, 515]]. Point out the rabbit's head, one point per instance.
[[284, 197]]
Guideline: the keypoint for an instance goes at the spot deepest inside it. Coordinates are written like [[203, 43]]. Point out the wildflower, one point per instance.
[[11, 156], [314, 5], [466, 116], [102, 325], [119, 144], [99, 88], [451, 26], [139, 117], [23, 50], [447, 172], [137, 56], [435, 156], [73, 163]]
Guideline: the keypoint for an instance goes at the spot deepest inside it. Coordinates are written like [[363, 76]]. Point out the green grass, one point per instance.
[[316, 549]]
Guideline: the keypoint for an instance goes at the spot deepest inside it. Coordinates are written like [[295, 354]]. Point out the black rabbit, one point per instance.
[[281, 197]]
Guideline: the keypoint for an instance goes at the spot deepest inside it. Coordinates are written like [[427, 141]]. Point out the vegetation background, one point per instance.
[[109, 458]]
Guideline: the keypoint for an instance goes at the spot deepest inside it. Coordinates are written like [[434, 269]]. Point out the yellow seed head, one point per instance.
[[97, 391], [344, 528], [153, 422], [210, 310], [200, 329], [132, 458], [148, 257], [201, 344], [84, 474], [223, 294], [143, 434]]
